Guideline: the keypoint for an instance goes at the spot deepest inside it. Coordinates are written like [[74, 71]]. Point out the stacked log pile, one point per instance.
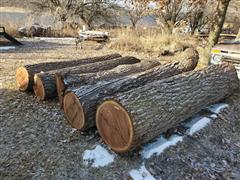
[[45, 84], [25, 74], [129, 100], [73, 81], [81, 115], [94, 36]]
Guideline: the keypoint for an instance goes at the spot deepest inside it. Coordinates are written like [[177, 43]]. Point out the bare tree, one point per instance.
[[135, 10], [171, 13], [201, 16], [87, 10]]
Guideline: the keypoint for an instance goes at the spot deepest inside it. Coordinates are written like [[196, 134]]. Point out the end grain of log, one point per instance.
[[25, 74], [78, 80], [89, 96], [44, 86], [23, 79], [48, 79], [128, 119]]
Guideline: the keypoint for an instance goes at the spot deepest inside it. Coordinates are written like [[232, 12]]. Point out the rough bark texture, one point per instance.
[[160, 105], [77, 80], [44, 88], [50, 84], [37, 68], [89, 96]]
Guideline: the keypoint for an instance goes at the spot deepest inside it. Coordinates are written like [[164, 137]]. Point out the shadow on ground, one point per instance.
[[37, 142]]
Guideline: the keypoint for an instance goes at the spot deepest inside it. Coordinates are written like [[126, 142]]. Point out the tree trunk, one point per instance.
[[25, 74], [129, 119], [215, 29], [80, 104], [77, 80], [45, 84]]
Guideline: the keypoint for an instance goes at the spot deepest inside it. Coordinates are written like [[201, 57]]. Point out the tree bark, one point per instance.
[[45, 84], [215, 29], [129, 119], [25, 74], [80, 104], [77, 80]]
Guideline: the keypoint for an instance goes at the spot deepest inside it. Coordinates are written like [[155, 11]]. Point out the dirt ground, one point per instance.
[[36, 142]]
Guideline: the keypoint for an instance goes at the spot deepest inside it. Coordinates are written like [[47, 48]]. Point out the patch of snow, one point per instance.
[[141, 174], [7, 48], [197, 124], [56, 38], [216, 108], [214, 116], [73, 130], [159, 146], [100, 156], [64, 141]]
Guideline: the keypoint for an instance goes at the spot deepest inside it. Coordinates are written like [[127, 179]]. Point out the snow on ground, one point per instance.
[[159, 146], [99, 156], [58, 40], [5, 48], [197, 124], [213, 116], [238, 70], [216, 108], [141, 174]]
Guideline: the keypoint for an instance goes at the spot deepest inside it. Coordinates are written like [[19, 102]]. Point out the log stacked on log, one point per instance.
[[25, 74], [45, 84], [94, 36], [76, 80], [80, 104], [131, 118]]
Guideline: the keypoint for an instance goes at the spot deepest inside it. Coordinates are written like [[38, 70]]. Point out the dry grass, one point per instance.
[[67, 31], [13, 9], [151, 41], [12, 28]]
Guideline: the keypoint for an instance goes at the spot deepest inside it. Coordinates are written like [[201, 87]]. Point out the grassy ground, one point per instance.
[[151, 41], [36, 142]]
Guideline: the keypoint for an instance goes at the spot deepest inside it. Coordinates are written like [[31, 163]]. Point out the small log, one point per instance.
[[80, 104], [134, 117], [45, 83], [25, 74], [94, 35], [77, 80]]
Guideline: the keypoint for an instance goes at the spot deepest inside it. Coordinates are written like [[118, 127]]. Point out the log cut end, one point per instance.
[[22, 78], [61, 87], [189, 59], [115, 126], [73, 110], [38, 88]]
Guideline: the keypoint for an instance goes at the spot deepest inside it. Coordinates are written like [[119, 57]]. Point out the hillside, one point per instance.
[[233, 11]]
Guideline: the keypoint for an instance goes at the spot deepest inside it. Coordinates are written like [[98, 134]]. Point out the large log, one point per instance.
[[80, 104], [134, 117], [25, 74], [77, 80], [45, 84]]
